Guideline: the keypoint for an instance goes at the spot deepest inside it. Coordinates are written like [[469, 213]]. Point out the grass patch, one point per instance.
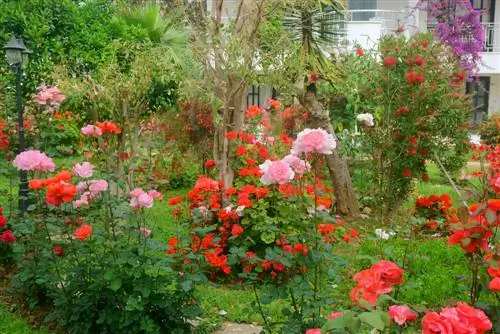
[[11, 324]]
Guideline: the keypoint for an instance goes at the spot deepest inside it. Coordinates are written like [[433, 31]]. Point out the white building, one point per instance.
[[369, 19], [365, 21]]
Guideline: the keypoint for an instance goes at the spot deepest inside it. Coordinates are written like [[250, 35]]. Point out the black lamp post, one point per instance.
[[17, 56]]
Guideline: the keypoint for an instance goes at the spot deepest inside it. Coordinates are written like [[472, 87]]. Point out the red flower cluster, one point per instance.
[[390, 61], [59, 190], [436, 210], [8, 236], [493, 263], [108, 127], [253, 111], [218, 260], [376, 281], [4, 141], [460, 319], [474, 235], [414, 78]]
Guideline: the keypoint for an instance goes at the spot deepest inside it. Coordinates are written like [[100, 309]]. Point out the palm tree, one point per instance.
[[311, 23]]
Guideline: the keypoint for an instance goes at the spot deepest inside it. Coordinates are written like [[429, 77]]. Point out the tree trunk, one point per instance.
[[339, 173]]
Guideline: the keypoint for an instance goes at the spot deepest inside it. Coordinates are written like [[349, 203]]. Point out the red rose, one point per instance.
[[433, 323], [241, 150], [210, 164], [236, 230], [475, 317], [83, 232], [58, 251], [360, 52], [389, 271], [494, 284], [8, 236], [406, 172], [36, 184]]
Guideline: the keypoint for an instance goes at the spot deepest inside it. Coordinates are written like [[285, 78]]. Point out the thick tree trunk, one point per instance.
[[339, 173]]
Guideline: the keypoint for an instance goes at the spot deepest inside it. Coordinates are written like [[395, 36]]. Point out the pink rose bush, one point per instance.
[[34, 160], [90, 190], [299, 166]]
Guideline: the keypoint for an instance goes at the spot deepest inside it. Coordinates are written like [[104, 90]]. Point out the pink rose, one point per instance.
[[34, 160], [314, 331], [314, 141], [155, 194], [276, 172], [136, 192], [91, 131], [401, 314], [84, 170], [98, 186], [298, 165], [145, 231], [145, 201]]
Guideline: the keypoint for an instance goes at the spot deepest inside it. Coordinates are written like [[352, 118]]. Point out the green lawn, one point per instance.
[[11, 324]]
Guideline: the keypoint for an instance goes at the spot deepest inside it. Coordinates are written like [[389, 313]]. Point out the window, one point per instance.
[[253, 96], [479, 88], [363, 9]]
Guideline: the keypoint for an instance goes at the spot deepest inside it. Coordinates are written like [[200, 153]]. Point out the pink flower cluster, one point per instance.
[[460, 319], [141, 199], [90, 191], [49, 96], [314, 141], [84, 170], [34, 160], [277, 171], [298, 165], [91, 131]]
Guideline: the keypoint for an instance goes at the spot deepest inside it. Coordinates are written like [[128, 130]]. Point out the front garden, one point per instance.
[[160, 201]]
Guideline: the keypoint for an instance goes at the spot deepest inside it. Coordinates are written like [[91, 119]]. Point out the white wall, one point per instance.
[[494, 100]]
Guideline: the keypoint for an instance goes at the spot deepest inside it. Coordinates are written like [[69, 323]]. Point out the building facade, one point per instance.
[[365, 21]]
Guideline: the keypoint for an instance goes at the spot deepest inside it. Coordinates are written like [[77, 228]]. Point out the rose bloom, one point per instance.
[[389, 271], [145, 201], [36, 184], [155, 194], [475, 317], [335, 315], [98, 186], [145, 231], [298, 165], [8, 237], [366, 119], [91, 131], [433, 323], [494, 284], [401, 314], [314, 141], [83, 232], [314, 331], [33, 160], [276, 172], [210, 164], [84, 170]]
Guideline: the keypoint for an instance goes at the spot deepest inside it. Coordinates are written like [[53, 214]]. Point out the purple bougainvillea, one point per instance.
[[459, 26]]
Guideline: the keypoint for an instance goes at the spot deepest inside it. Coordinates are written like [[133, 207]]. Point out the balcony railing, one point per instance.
[[390, 20], [491, 36]]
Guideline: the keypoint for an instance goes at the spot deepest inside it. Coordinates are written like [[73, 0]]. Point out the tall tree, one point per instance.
[[226, 41], [310, 23]]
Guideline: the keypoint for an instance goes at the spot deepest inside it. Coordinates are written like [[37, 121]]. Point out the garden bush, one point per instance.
[[408, 100]]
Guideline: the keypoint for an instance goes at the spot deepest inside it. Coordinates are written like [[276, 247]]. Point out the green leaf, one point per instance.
[[268, 237], [115, 284], [373, 319], [187, 285], [465, 242]]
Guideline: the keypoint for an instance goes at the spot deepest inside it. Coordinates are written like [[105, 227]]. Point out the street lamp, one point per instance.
[[17, 56]]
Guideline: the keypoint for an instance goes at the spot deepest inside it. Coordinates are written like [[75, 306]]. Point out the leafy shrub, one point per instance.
[[409, 102], [490, 131]]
